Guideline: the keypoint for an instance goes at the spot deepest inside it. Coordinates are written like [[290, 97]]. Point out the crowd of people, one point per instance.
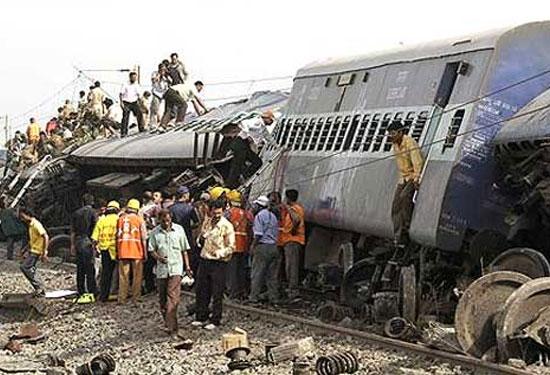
[[216, 243], [98, 115]]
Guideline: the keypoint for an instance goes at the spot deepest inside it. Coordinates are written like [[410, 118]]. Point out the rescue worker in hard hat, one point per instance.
[[104, 237], [237, 268], [131, 250]]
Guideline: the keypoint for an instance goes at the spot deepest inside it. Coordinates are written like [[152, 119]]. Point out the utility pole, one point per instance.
[[6, 129]]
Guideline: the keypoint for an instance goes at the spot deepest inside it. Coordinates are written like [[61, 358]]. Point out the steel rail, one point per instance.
[[476, 364]]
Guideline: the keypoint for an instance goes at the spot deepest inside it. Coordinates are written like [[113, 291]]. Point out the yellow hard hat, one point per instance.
[[217, 192], [133, 204], [234, 196], [113, 204]]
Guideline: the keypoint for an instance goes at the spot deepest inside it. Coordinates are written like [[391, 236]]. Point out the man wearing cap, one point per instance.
[[265, 254], [184, 214], [131, 250], [82, 225], [409, 161], [104, 237], [168, 245]]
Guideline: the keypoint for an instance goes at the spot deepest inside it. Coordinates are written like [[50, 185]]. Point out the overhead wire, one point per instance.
[[45, 101], [266, 79], [458, 106]]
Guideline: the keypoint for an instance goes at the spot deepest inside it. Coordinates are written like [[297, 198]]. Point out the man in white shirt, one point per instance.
[[177, 96], [129, 102], [160, 81]]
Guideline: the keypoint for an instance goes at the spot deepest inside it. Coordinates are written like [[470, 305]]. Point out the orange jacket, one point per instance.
[[130, 233], [241, 220], [285, 235]]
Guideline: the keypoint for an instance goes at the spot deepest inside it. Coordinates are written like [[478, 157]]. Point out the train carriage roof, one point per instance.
[[434, 49], [174, 147], [531, 123]]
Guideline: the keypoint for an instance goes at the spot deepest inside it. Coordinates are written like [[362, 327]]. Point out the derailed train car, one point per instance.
[[119, 168], [454, 95]]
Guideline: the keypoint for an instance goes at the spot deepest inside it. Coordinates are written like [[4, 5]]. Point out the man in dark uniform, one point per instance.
[[82, 226]]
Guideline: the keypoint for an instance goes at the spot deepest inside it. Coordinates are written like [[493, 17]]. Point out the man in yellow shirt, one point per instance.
[[104, 237], [38, 249], [33, 132], [409, 161]]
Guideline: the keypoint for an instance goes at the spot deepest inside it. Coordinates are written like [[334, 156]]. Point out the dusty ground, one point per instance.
[[133, 336]]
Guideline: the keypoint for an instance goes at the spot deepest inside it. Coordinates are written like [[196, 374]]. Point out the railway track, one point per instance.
[[475, 364]]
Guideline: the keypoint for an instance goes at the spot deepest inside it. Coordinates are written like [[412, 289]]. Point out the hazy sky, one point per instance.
[[41, 41]]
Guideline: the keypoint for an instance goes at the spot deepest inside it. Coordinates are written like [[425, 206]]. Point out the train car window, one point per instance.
[[300, 128], [333, 132], [381, 133], [327, 81], [371, 131], [513, 146], [279, 131], [419, 125], [342, 133], [447, 83], [293, 132], [346, 79], [453, 129], [351, 133], [324, 134], [526, 145], [308, 134], [365, 77], [286, 132], [316, 134], [361, 131], [409, 119]]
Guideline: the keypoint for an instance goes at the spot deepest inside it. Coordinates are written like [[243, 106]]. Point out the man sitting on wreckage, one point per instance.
[[245, 140]]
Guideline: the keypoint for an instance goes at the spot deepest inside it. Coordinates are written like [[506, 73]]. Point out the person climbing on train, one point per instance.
[[410, 161], [245, 142]]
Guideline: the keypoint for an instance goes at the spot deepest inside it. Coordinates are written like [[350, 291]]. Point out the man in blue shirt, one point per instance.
[[168, 245], [266, 256], [184, 214]]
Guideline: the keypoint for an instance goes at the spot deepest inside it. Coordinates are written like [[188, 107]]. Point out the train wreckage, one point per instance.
[[478, 106]]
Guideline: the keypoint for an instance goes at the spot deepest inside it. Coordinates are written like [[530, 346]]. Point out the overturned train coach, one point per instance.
[[455, 96]]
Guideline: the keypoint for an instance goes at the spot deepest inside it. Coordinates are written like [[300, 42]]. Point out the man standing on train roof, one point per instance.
[[410, 161]]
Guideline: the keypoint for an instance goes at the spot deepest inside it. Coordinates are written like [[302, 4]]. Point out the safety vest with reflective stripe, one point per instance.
[[241, 223], [129, 245]]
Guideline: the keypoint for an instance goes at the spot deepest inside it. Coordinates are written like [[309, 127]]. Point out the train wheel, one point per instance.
[[59, 247], [521, 308], [478, 307], [523, 260]]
